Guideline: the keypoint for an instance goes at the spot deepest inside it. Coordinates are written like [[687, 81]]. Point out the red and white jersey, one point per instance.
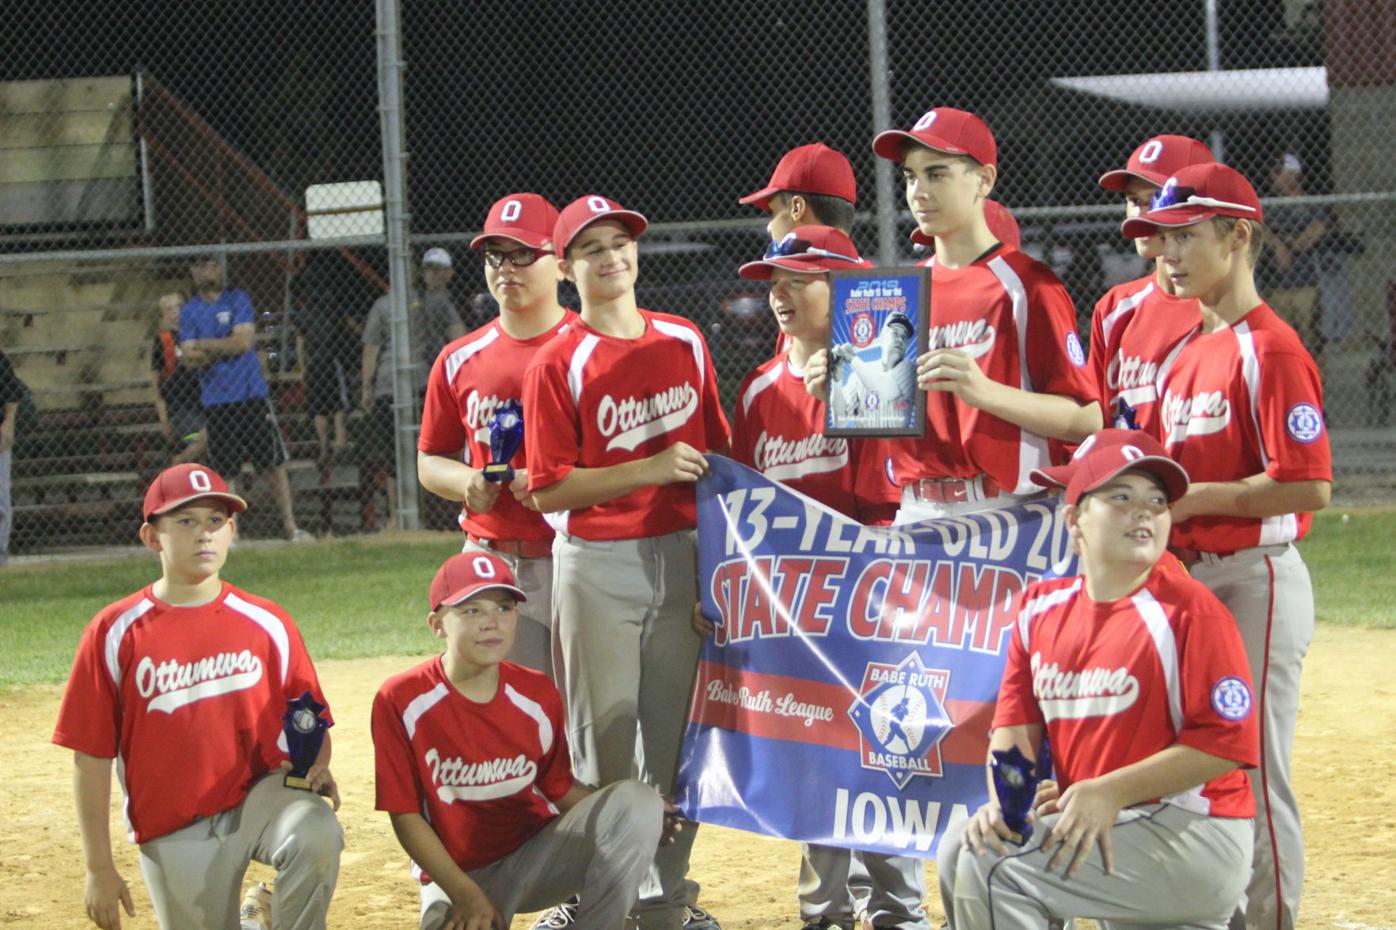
[[470, 379], [1135, 329], [779, 431], [599, 400], [188, 700], [1115, 682], [485, 776], [1013, 316], [1237, 402]]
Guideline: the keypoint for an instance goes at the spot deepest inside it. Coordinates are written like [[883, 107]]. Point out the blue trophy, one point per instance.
[[305, 732], [506, 435], [1015, 782]]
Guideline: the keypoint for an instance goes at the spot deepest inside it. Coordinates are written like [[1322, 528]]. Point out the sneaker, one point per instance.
[[695, 918], [255, 913], [822, 923], [300, 536], [564, 915]]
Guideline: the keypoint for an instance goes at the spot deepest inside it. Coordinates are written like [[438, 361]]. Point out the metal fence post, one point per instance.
[[879, 77], [390, 68]]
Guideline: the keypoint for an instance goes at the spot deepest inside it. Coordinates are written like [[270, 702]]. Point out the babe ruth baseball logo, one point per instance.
[[1304, 423], [901, 719], [1074, 350], [1231, 697], [862, 330]]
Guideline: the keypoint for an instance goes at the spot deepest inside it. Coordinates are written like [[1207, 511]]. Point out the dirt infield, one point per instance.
[[1343, 767]]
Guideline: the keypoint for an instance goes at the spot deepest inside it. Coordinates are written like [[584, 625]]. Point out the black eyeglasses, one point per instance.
[[791, 247], [519, 258], [1171, 196]]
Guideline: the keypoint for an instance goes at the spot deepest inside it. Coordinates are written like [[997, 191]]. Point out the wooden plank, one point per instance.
[[91, 93], [60, 129], [45, 166]]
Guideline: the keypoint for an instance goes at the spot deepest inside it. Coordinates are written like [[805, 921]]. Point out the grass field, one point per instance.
[[359, 598]]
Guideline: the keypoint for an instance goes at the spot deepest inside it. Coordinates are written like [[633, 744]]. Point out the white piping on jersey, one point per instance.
[[557, 520], [580, 355], [1166, 365], [420, 705], [759, 385], [534, 710], [267, 621], [456, 359], [1032, 449], [1041, 603], [111, 649], [1282, 527], [1192, 800], [695, 344], [1161, 632], [1125, 306]]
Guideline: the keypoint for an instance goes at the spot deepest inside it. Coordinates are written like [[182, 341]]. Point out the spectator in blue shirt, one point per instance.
[[217, 336]]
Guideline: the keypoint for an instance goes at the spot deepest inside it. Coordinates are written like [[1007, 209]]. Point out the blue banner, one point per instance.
[[846, 696]]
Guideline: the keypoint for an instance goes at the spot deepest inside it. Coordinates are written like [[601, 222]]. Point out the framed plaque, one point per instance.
[[878, 320]]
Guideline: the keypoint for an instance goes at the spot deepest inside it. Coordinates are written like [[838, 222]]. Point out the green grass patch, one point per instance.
[[1351, 565], [350, 599]]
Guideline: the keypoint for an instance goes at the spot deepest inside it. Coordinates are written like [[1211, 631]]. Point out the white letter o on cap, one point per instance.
[[511, 211], [483, 566], [598, 204], [925, 121], [1150, 152], [1132, 452], [199, 481]]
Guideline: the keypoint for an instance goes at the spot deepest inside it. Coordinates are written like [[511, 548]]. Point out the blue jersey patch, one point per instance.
[[1074, 350], [1231, 697], [1304, 422]]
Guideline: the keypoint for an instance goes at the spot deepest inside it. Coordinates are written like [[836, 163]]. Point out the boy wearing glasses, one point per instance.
[[471, 378], [1137, 676], [1241, 407], [618, 411], [472, 769]]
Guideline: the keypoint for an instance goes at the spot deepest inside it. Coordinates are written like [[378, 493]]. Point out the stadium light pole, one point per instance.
[[396, 218]]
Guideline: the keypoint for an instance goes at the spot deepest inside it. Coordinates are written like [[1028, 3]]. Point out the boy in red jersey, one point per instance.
[[1137, 324], [778, 431], [1005, 369], [1137, 675], [1241, 409], [471, 378], [619, 410], [472, 769], [186, 683]]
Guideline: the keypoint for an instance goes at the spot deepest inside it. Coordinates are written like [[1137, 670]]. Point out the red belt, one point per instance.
[[953, 490], [520, 548]]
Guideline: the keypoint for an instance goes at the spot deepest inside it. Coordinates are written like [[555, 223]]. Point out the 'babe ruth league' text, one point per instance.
[[176, 684], [629, 422]]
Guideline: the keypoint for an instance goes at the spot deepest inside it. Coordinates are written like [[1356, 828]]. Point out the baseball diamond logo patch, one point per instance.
[[901, 719], [861, 330], [1074, 350], [1231, 697], [1304, 422]]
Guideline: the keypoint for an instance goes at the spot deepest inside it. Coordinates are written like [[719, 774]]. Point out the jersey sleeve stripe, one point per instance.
[[1032, 449], [579, 361], [1123, 308], [1161, 632], [111, 648], [695, 344], [534, 710], [760, 384], [420, 705], [1250, 370], [269, 622], [456, 359]]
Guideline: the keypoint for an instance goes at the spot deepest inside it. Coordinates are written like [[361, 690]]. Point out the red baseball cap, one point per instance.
[[181, 484], [582, 212], [1194, 194], [1157, 160], [809, 169], [808, 250], [525, 218], [466, 574], [1002, 223], [1109, 453], [945, 129]]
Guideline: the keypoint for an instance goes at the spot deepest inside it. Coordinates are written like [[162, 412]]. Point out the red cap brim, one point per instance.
[[761, 270], [1118, 179], [762, 198], [1149, 224], [235, 503], [534, 241], [466, 593]]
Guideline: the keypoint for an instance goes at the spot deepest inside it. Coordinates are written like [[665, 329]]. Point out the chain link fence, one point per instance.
[[316, 151]]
